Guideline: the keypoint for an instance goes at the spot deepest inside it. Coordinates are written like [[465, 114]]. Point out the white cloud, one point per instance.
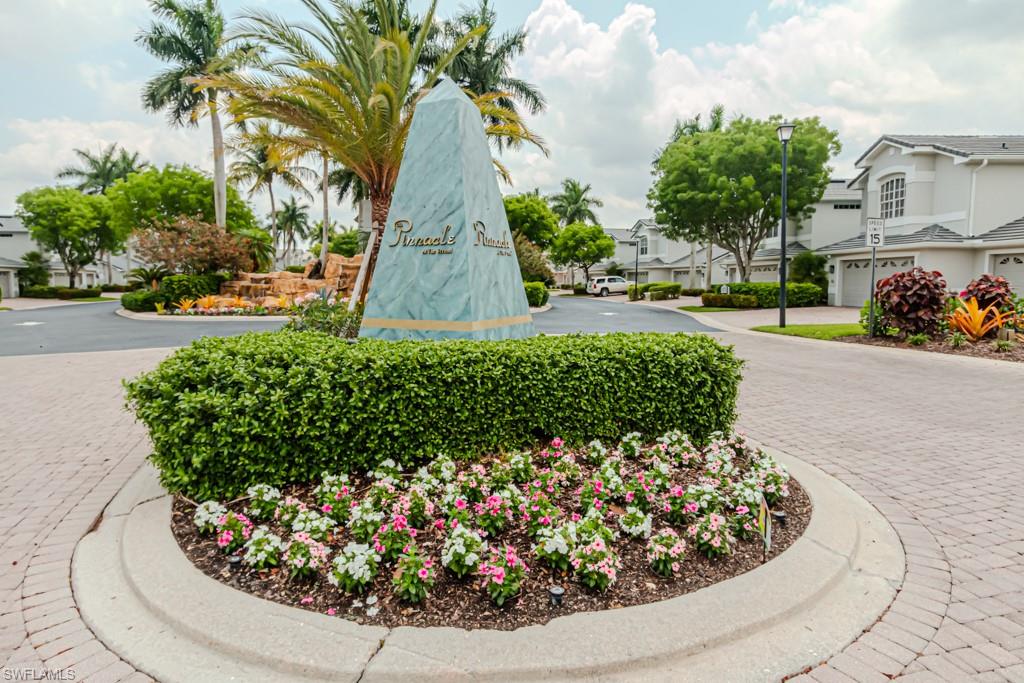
[[866, 67]]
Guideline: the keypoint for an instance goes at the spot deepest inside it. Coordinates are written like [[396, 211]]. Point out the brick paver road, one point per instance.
[[936, 445]]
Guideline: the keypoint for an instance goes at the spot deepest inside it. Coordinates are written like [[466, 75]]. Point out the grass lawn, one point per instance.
[[94, 299], [706, 309], [829, 331], [4, 308]]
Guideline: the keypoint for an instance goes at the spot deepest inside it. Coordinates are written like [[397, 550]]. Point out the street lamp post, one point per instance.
[[785, 131]]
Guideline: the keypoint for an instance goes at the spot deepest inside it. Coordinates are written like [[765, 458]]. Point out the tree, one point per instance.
[[724, 186], [810, 267], [36, 272], [100, 171], [162, 195], [485, 67], [189, 245], [573, 204], [532, 264], [192, 38], [293, 222], [530, 216], [75, 226], [581, 246], [262, 161]]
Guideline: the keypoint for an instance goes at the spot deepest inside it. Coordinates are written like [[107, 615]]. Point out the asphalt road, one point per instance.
[[96, 327]]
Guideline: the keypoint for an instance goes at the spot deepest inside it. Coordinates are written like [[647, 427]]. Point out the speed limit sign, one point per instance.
[[875, 234]]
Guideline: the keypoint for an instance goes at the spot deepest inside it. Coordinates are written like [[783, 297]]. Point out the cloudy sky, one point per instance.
[[616, 75]]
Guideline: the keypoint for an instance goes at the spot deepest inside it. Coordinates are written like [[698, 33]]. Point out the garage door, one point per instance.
[[764, 274], [857, 275], [1010, 266]]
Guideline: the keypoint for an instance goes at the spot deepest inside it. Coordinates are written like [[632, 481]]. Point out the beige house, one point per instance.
[[15, 241], [952, 203], [645, 253]]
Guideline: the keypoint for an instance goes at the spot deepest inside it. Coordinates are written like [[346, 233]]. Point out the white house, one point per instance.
[[645, 251], [952, 203], [15, 241], [836, 216]]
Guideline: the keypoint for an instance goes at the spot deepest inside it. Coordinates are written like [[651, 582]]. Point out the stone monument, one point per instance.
[[447, 267]]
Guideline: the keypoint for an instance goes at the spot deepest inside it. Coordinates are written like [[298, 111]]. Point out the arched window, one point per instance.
[[894, 192]]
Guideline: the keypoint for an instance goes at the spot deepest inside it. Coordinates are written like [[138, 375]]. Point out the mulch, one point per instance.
[[463, 603], [982, 349]]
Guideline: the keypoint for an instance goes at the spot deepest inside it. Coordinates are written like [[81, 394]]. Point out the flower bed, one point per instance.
[[479, 545]]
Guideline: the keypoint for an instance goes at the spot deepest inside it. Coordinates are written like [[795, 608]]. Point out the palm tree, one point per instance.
[[262, 161], [573, 204], [99, 171], [191, 37], [348, 92], [293, 222], [484, 68]]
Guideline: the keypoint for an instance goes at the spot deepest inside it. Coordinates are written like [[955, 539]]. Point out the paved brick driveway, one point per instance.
[[936, 445]]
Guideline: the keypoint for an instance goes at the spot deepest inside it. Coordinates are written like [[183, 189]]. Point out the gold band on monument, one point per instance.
[[446, 325]]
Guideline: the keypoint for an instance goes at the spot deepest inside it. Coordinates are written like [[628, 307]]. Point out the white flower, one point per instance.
[[207, 514]]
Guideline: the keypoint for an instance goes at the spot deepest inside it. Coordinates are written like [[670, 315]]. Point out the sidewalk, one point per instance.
[[815, 315], [24, 303]]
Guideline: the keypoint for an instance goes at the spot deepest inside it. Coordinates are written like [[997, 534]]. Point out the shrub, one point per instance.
[[503, 574], [881, 329], [334, 403], [634, 292], [35, 273], [665, 290], [691, 292], [989, 290], [39, 292], [115, 288], [324, 314], [810, 267], [73, 293], [913, 301], [798, 294], [976, 322], [178, 287], [536, 294], [295, 269], [142, 300], [579, 290], [917, 339], [728, 300]]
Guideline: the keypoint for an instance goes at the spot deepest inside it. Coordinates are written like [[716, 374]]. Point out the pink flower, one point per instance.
[[742, 509], [428, 563], [423, 574], [438, 524], [307, 600], [326, 508], [331, 611], [716, 541], [629, 494], [576, 517], [498, 575], [557, 442], [460, 504]]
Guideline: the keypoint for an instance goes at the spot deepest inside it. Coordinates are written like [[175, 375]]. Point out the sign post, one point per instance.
[[874, 237]]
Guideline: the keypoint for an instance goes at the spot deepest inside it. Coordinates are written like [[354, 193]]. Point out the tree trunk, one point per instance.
[[110, 269], [72, 275], [380, 205], [693, 265], [220, 183], [707, 266], [586, 274], [324, 232], [273, 222]]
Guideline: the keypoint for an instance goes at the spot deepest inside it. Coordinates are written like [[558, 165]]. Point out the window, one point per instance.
[[894, 193], [643, 246], [773, 231], [855, 205]]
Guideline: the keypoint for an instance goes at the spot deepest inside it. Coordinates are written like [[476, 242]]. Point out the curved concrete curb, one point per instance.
[[132, 315], [146, 601], [540, 309]]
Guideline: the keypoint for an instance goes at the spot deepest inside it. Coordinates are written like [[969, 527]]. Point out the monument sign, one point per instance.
[[447, 266]]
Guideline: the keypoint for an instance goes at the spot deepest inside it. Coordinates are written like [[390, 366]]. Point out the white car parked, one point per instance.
[[610, 284]]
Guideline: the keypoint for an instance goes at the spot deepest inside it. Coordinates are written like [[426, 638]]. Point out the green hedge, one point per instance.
[[536, 293], [142, 300], [664, 290], [48, 292], [280, 407], [728, 300], [798, 294], [177, 287], [696, 291], [117, 288]]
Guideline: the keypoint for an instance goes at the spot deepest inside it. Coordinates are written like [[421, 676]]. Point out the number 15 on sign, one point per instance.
[[875, 233]]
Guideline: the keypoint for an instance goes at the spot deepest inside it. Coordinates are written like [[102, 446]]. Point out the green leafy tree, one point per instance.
[[724, 186], [192, 38], [485, 66], [36, 272], [574, 204], [261, 162], [163, 195], [530, 216], [532, 265], [73, 225], [581, 245], [810, 267], [98, 172]]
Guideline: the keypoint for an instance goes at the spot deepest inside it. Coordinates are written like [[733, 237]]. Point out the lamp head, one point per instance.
[[785, 131]]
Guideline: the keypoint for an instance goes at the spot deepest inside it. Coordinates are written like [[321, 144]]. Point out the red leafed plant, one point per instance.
[[989, 290], [913, 301]]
